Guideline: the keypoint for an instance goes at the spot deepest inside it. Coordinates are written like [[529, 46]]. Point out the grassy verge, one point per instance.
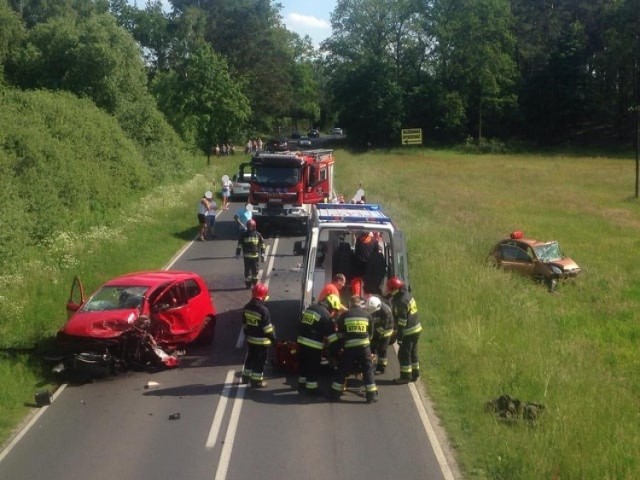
[[486, 333], [147, 235]]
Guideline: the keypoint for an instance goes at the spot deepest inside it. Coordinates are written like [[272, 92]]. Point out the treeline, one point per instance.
[[543, 71]]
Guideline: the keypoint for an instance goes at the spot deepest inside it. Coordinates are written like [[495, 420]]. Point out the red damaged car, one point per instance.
[[136, 320]]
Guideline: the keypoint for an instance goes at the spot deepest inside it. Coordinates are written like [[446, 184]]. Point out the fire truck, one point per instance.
[[285, 185], [330, 246]]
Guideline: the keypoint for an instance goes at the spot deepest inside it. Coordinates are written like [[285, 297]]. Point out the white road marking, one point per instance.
[[428, 428], [222, 405], [225, 456]]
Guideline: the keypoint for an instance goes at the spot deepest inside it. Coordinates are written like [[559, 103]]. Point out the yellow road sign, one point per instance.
[[411, 136]]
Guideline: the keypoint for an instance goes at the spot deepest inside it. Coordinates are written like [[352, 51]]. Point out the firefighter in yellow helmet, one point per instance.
[[316, 328]]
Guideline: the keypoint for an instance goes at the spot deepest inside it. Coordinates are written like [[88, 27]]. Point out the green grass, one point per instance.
[[486, 333], [489, 333]]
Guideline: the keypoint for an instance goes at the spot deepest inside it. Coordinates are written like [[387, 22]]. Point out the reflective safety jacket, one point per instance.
[[355, 328], [251, 244], [316, 326], [256, 321], [405, 313], [383, 321]]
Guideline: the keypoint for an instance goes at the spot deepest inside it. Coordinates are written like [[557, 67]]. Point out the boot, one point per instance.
[[403, 380], [415, 376], [380, 368], [372, 397], [258, 384]]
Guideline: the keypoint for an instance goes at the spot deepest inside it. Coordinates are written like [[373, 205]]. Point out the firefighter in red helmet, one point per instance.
[[260, 335], [252, 246], [405, 314]]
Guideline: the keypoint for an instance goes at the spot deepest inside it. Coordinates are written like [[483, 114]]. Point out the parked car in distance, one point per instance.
[[135, 320], [313, 133], [277, 145], [542, 261], [295, 135], [304, 141], [336, 131], [240, 186]]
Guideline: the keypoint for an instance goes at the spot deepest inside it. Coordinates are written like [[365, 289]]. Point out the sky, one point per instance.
[[308, 17], [304, 17]]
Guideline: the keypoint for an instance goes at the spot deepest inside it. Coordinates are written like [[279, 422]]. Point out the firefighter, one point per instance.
[[316, 326], [405, 315], [252, 246], [354, 330], [382, 330], [260, 335]]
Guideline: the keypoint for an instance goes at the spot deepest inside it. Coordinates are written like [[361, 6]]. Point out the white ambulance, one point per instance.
[[331, 245]]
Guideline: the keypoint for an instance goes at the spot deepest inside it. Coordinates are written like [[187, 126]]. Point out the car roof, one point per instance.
[[151, 278], [532, 242]]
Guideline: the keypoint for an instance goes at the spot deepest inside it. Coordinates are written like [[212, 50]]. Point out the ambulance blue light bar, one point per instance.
[[351, 213]]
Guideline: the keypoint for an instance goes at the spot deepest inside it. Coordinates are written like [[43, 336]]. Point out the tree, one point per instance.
[[201, 100], [475, 57]]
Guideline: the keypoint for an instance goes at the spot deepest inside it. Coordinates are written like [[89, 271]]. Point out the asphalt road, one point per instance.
[[117, 428]]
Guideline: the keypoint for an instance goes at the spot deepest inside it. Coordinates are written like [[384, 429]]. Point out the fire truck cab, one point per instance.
[[330, 246], [285, 185]]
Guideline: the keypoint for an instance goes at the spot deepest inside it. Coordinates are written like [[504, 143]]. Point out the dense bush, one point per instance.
[[66, 165]]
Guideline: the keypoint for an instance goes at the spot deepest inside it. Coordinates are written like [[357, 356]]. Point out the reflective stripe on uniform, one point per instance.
[[356, 342], [259, 341], [308, 342]]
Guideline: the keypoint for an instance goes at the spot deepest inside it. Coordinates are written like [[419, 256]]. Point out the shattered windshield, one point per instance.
[[277, 176], [115, 298], [548, 252]]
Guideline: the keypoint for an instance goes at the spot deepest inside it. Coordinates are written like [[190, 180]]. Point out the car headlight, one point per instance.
[[555, 269]]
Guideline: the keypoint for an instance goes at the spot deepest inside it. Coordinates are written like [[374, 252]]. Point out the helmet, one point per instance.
[[333, 302], [373, 304], [260, 291], [394, 283], [251, 224], [208, 194]]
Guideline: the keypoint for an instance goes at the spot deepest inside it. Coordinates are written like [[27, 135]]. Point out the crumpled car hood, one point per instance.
[[109, 324], [568, 265]]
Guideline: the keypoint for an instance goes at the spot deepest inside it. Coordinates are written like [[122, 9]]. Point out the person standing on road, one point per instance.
[[226, 191], [203, 208], [315, 328], [382, 317], [252, 246], [260, 335], [405, 315], [354, 328], [243, 215], [210, 219]]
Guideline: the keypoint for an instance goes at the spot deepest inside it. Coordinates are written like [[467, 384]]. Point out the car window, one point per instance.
[[513, 252], [174, 297], [192, 288]]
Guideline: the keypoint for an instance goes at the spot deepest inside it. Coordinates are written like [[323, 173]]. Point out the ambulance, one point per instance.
[[330, 247]]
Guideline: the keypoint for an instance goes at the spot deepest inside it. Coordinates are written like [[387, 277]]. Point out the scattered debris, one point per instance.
[[510, 409], [43, 398], [151, 384], [174, 416]]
